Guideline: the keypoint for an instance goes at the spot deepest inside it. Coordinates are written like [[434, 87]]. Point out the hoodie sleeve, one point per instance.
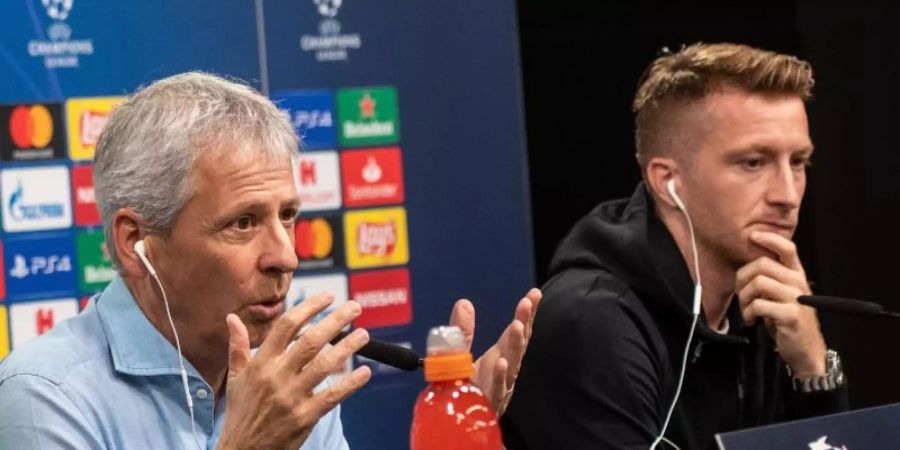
[[591, 376]]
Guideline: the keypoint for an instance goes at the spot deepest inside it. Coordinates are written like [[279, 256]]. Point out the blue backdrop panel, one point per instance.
[[454, 69]]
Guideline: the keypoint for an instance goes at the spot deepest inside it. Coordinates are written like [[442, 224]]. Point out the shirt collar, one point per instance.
[[137, 347]]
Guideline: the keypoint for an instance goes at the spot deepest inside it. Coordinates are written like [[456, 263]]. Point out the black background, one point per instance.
[[581, 62]]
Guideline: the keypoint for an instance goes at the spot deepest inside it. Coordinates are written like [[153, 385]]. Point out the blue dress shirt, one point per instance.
[[108, 379]]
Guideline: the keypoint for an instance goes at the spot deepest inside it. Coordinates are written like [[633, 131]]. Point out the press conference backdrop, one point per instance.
[[414, 188]]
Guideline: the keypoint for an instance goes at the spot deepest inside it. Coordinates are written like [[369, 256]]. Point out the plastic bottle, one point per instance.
[[452, 413]]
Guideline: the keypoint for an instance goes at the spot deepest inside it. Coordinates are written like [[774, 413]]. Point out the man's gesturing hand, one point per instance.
[[271, 399]]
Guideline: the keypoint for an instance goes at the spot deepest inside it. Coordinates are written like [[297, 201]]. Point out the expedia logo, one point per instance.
[[318, 242], [376, 239], [32, 132]]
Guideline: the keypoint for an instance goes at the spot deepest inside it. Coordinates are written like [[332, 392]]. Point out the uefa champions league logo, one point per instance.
[[59, 9], [330, 44], [327, 8], [61, 51]]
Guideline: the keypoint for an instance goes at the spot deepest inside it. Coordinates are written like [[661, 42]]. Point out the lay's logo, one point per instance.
[[90, 126], [85, 119], [376, 237]]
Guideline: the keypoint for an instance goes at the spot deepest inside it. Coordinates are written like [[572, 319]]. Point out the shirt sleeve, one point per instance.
[[36, 414]]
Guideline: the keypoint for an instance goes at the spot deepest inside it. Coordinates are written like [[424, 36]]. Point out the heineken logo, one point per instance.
[[368, 116]]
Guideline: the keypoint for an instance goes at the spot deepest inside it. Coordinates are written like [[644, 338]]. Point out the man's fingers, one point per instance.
[[779, 313], [315, 337], [780, 245], [764, 287], [327, 362], [515, 349], [287, 326], [535, 295], [770, 268], [498, 384], [238, 345], [330, 397], [463, 316]]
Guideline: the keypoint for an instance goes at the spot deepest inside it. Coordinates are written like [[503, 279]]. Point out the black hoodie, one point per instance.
[[603, 362]]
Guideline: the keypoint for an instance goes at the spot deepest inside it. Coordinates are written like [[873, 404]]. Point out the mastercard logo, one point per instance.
[[31, 127], [313, 238]]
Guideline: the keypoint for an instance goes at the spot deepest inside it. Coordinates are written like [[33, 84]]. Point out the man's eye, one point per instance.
[[243, 223], [288, 215], [801, 163], [752, 163]]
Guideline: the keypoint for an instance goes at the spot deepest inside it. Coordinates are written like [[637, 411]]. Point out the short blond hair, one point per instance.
[[692, 72]]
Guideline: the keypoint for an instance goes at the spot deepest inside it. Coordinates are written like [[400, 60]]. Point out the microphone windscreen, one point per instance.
[[390, 354], [843, 305]]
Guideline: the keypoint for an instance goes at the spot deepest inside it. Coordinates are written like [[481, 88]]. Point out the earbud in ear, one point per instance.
[[670, 186], [139, 249]]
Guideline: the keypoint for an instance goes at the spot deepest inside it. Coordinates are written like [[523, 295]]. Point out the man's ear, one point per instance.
[[126, 230], [658, 171]]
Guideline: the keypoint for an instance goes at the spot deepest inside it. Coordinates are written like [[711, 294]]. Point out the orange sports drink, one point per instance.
[[452, 413]]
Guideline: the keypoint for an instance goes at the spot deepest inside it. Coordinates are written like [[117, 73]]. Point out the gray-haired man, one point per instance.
[[200, 170]]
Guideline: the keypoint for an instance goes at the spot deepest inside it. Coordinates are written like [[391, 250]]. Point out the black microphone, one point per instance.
[[846, 306], [390, 354]]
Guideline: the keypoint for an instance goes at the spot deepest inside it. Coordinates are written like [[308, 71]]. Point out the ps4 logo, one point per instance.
[[306, 120], [39, 265]]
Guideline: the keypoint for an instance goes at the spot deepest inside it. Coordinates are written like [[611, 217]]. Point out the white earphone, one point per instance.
[[695, 311], [142, 255], [670, 186], [139, 249]]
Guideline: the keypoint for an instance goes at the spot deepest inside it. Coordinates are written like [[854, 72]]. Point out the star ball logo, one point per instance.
[[32, 132], [330, 44], [61, 51]]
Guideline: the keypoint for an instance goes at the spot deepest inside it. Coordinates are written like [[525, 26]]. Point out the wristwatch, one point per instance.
[[833, 378]]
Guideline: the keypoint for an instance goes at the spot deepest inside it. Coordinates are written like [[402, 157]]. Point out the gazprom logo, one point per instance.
[[21, 211], [36, 198]]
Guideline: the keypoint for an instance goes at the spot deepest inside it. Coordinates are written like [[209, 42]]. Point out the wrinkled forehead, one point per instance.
[[241, 155]]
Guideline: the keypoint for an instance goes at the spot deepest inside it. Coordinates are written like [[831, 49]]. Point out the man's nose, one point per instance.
[[279, 254]]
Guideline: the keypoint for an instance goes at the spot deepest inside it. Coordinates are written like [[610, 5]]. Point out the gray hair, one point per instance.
[[147, 150]]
